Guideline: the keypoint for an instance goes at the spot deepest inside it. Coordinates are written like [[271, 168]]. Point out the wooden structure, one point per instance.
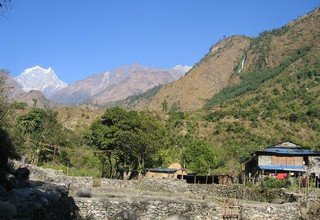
[[231, 210], [224, 179], [282, 161]]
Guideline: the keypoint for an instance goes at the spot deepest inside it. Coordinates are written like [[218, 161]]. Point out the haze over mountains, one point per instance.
[[98, 89]]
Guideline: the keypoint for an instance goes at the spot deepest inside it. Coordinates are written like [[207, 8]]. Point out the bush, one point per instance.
[[271, 182]]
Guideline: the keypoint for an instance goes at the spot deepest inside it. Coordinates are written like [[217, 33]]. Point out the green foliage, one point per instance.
[[271, 182], [200, 157], [6, 146], [251, 81], [128, 139], [143, 96], [164, 105], [38, 132]]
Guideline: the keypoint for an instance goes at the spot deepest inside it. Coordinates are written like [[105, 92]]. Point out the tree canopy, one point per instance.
[[200, 157], [128, 139]]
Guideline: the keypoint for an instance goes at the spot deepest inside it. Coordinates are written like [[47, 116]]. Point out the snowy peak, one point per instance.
[[41, 79], [38, 69], [181, 68]]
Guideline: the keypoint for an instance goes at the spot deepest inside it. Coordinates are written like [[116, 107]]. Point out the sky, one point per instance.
[[80, 38]]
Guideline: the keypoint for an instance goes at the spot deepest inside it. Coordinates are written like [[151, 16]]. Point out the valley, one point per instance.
[[107, 132]]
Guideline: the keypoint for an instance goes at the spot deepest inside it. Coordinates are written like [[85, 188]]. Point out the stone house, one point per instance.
[[174, 171], [284, 160]]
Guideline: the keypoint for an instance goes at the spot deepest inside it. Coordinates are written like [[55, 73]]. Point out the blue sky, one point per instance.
[[79, 38]]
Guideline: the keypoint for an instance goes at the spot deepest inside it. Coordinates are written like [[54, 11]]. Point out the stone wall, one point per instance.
[[315, 165], [49, 175], [238, 191], [264, 160], [146, 208], [158, 199]]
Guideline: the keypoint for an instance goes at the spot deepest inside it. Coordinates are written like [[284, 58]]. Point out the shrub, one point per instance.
[[270, 182]]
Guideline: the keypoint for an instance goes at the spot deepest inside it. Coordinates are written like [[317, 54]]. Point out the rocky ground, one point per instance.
[[21, 198], [49, 194]]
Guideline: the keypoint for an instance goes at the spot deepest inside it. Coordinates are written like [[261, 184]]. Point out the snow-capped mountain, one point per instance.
[[41, 79]]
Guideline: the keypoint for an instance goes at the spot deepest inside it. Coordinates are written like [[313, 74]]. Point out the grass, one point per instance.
[[72, 171]]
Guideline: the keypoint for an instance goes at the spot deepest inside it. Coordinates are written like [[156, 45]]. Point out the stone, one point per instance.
[[22, 193], [7, 210], [3, 191], [178, 217], [11, 181], [127, 215], [22, 173]]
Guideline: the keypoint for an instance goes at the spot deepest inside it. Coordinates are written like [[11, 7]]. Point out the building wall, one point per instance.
[[283, 160], [157, 175], [314, 165], [264, 160]]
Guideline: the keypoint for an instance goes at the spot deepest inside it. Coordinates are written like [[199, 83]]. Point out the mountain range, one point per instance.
[[98, 89], [234, 66]]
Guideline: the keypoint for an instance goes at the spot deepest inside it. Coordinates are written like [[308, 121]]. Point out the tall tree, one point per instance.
[[6, 147], [128, 138], [200, 157]]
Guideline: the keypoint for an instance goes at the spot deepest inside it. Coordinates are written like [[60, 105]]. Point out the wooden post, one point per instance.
[[54, 152]]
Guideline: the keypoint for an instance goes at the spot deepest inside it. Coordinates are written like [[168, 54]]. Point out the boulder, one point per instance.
[[127, 215], [177, 217], [3, 191], [22, 193], [11, 181], [22, 173], [7, 210]]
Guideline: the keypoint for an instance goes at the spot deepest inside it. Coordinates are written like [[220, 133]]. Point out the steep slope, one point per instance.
[[276, 100], [38, 78], [272, 53], [136, 83], [215, 71], [229, 59]]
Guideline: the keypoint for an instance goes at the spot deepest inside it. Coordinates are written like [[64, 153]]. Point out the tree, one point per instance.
[[127, 139], [41, 132], [200, 157], [6, 146]]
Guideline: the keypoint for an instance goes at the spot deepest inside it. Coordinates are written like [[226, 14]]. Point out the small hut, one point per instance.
[[174, 171]]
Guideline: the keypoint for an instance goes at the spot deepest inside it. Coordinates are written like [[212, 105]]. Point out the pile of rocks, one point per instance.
[[22, 198]]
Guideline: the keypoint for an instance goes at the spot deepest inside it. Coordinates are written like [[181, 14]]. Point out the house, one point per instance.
[[284, 160], [174, 171]]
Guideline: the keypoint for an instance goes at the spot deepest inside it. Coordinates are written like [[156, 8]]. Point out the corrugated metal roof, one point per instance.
[[283, 168], [290, 151], [161, 170]]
